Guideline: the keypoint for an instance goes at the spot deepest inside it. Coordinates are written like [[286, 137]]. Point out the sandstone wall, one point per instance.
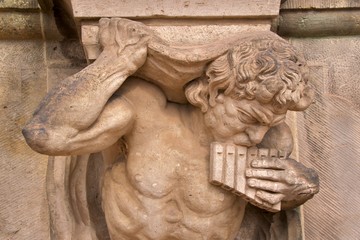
[[31, 59], [33, 56], [327, 32], [329, 137]]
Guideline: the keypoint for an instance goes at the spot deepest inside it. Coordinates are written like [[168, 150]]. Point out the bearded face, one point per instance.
[[242, 122]]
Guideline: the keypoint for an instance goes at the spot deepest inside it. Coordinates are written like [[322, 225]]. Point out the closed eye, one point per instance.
[[244, 117], [277, 120]]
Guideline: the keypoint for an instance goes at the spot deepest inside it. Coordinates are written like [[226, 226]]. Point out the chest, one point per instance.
[[161, 155]]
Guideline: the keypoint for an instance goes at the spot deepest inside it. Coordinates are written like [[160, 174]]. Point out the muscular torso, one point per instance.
[[162, 190]]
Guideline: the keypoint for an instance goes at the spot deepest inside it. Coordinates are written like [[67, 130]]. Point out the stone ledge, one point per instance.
[[175, 9], [19, 4], [20, 25], [302, 23], [184, 31], [320, 4]]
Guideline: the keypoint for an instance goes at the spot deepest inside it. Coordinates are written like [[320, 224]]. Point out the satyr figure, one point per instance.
[[160, 188]]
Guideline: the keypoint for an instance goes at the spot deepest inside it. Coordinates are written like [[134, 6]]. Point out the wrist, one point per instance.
[[106, 69]]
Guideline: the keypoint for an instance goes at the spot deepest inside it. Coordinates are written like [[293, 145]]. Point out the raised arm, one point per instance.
[[78, 113]]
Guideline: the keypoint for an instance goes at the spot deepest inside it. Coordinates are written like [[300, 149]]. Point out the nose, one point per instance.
[[257, 133]]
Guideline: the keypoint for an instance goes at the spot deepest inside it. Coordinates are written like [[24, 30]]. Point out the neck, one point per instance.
[[197, 125]]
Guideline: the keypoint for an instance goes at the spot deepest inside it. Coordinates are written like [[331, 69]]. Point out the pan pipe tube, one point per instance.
[[228, 163]]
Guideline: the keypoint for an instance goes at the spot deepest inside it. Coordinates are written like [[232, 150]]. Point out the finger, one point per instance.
[[139, 47], [104, 22], [290, 177], [266, 185], [272, 198], [104, 31], [272, 163], [286, 176], [120, 33], [267, 174]]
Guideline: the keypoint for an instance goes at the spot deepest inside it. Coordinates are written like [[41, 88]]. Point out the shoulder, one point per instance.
[[142, 93]]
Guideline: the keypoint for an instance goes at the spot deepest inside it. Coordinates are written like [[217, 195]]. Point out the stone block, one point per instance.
[[28, 69], [319, 23], [319, 4], [178, 31], [20, 25], [174, 9], [23, 208], [21, 4]]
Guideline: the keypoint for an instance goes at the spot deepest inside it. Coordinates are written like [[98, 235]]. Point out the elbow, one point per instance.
[[36, 137], [43, 140]]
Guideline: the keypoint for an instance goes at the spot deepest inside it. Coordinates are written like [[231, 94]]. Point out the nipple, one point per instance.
[[173, 214]]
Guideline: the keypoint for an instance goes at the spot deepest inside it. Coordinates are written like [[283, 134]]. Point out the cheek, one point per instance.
[[230, 109], [224, 127], [214, 116], [234, 124], [242, 139], [210, 119], [257, 133], [230, 126]]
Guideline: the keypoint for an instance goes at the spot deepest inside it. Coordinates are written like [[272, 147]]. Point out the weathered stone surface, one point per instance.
[[46, 5], [28, 68], [151, 111], [23, 211], [319, 23], [175, 21], [168, 8], [179, 31], [49, 29], [319, 4], [20, 25], [328, 133], [329, 137], [28, 25], [20, 4], [63, 59]]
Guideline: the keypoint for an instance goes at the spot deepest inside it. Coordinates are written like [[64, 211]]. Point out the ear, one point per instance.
[[305, 100], [220, 98]]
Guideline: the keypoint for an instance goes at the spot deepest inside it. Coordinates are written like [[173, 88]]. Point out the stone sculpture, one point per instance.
[[139, 122]]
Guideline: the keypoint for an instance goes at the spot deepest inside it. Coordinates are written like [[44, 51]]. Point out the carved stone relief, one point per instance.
[[161, 141]]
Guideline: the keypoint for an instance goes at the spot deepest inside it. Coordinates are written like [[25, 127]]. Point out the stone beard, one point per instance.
[[159, 188]]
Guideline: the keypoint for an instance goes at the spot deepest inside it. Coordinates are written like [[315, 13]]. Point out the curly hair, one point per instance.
[[266, 70]]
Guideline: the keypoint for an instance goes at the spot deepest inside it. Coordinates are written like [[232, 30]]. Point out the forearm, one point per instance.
[[58, 137], [115, 120], [72, 114], [78, 100], [72, 108]]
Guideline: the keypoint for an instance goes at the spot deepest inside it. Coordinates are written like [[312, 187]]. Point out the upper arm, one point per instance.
[[115, 120]]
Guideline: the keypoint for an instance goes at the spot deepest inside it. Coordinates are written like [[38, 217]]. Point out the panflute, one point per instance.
[[228, 163]]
